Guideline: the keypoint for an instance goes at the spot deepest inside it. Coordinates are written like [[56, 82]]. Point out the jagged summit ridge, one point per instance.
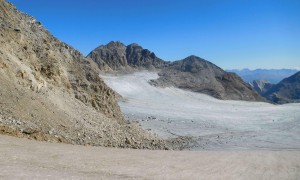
[[115, 56]]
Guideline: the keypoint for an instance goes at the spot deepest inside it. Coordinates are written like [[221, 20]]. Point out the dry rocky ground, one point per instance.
[[24, 159]]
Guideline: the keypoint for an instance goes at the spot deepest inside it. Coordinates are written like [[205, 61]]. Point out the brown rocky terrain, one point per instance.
[[49, 91], [286, 91]]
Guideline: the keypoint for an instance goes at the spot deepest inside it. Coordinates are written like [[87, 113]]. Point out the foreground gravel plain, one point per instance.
[[26, 159]]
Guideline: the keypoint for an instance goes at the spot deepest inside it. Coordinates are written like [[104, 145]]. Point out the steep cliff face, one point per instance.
[[199, 75], [48, 89], [286, 91], [115, 56]]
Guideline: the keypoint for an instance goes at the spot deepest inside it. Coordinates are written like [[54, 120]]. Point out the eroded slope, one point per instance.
[[49, 91]]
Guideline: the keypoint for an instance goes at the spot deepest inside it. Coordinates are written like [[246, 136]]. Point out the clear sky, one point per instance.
[[230, 33]]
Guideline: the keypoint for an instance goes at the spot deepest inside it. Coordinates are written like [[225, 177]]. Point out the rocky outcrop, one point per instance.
[[110, 57], [286, 91], [49, 90], [115, 56], [199, 75], [261, 86], [139, 57]]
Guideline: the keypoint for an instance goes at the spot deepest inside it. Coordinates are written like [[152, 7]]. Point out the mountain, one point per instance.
[[261, 86], [192, 73], [286, 91], [115, 56], [273, 76], [50, 91], [198, 75]]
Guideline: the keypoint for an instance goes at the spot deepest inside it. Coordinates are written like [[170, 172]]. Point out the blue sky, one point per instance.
[[230, 33]]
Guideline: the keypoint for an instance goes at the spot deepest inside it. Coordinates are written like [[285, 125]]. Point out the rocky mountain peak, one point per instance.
[[115, 44], [199, 75], [195, 64], [117, 56], [193, 58], [135, 45]]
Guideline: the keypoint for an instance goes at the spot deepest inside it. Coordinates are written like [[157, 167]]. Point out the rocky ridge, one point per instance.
[[198, 75], [115, 56]]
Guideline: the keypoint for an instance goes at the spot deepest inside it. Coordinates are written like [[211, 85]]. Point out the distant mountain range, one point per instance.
[[192, 73], [273, 76]]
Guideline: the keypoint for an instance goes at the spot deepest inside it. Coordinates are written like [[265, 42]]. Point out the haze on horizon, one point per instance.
[[232, 34]]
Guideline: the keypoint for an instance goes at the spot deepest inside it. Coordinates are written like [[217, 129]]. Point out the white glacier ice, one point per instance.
[[213, 123]]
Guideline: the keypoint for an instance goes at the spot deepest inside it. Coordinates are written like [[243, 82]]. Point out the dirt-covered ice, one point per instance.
[[212, 123]]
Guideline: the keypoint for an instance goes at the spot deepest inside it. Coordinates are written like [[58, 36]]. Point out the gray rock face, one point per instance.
[[139, 57], [261, 86], [199, 75], [115, 56], [286, 91], [110, 57]]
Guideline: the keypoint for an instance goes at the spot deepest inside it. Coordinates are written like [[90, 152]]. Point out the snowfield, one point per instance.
[[212, 123]]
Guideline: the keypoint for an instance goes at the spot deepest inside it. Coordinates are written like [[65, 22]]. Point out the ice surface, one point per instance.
[[214, 124]]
